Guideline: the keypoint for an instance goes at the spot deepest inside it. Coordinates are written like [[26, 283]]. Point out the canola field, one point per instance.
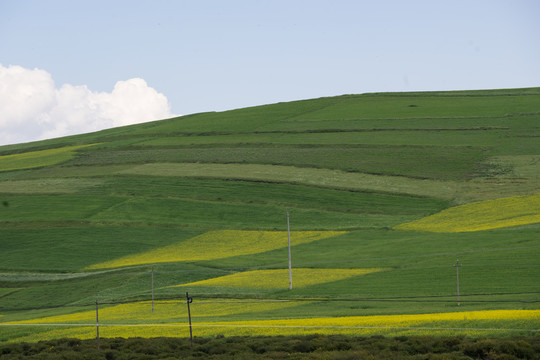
[[278, 278], [478, 216], [219, 244], [136, 320]]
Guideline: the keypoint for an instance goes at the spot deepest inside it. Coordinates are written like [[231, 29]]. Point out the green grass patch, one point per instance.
[[46, 186], [515, 167], [276, 194], [425, 106], [216, 215], [317, 177], [434, 162], [42, 208]]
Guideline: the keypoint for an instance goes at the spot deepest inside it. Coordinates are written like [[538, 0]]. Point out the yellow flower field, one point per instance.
[[483, 215], [33, 159], [472, 323], [164, 311], [219, 244], [279, 278]]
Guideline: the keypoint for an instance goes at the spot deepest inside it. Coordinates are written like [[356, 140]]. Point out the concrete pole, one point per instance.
[[289, 242], [457, 280]]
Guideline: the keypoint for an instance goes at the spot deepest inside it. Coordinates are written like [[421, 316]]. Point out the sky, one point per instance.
[[70, 67]]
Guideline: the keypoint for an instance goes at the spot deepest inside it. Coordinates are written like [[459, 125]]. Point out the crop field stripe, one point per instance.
[[491, 315], [414, 256], [482, 215], [274, 278], [319, 177], [279, 326], [218, 244], [33, 159]]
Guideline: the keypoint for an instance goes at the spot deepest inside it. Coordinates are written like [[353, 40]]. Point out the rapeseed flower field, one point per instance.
[[219, 244], [473, 323], [483, 215], [164, 311], [279, 278]]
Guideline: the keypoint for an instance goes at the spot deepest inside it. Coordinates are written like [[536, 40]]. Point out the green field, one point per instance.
[[397, 182]]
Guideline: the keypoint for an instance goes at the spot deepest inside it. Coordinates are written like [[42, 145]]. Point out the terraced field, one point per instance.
[[386, 192]]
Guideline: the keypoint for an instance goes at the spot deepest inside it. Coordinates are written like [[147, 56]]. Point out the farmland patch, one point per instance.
[[278, 278], [470, 323], [164, 311], [484, 215], [47, 186], [67, 247], [277, 194], [53, 208], [433, 162], [5, 291], [219, 244], [33, 159], [515, 166], [319, 177], [197, 214]]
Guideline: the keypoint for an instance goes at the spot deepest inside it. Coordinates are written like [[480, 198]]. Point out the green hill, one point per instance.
[[385, 192]]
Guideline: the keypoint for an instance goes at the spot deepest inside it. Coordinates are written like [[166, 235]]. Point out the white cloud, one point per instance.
[[32, 108]]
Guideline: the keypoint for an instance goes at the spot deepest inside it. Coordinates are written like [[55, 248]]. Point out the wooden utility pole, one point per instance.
[[152, 289], [457, 280], [97, 325], [189, 300], [289, 242]]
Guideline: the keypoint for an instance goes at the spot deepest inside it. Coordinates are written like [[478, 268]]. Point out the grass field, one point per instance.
[[386, 194]]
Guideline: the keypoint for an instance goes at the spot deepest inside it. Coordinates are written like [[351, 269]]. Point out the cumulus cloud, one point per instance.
[[33, 108]]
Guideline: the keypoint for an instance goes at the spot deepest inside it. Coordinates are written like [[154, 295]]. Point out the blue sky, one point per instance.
[[182, 57]]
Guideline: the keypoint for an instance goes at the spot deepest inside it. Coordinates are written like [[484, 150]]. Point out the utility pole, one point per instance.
[[289, 242], [152, 289], [189, 300], [97, 325], [457, 280]]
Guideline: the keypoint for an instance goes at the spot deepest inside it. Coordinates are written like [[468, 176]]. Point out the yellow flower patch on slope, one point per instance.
[[279, 278], [219, 244], [483, 215], [34, 159]]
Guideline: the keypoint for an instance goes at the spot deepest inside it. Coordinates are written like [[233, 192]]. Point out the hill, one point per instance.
[[384, 191]]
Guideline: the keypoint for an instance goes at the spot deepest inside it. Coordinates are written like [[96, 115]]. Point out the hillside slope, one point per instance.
[[354, 169]]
